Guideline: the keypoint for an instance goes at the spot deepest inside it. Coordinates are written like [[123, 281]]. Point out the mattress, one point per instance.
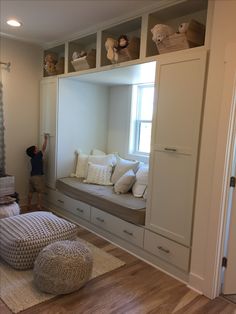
[[124, 206]]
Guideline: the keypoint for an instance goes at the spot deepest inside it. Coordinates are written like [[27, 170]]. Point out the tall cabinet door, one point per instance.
[[175, 141], [48, 118]]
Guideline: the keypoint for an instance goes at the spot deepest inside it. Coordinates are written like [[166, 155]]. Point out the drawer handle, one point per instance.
[[163, 249], [60, 201], [80, 210], [100, 219], [170, 149], [128, 232]]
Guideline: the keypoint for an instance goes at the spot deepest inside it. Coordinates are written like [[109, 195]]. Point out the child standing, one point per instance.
[[37, 180]]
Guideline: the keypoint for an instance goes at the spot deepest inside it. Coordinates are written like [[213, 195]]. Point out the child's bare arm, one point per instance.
[[45, 143]]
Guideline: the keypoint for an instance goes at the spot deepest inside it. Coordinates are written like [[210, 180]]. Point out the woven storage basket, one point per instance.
[[86, 62], [193, 37], [7, 185]]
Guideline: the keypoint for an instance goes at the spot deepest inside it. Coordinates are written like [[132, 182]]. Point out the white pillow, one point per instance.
[[96, 151], [145, 194], [122, 166], [124, 184], [81, 166], [141, 182], [99, 174], [105, 160]]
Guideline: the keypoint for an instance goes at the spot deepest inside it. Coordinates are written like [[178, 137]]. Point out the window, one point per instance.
[[141, 119]]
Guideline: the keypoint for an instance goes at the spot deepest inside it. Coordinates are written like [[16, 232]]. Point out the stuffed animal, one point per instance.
[[111, 46], [50, 63], [183, 27], [160, 32], [122, 42]]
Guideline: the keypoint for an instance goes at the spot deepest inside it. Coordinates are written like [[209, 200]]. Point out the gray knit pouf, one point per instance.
[[63, 267]]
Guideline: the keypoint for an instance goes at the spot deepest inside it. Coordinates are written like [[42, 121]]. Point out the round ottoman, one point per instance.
[[63, 267]]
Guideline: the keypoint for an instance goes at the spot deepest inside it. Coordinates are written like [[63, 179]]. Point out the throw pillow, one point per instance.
[[105, 160], [99, 174], [122, 166], [81, 166], [125, 182], [141, 182], [96, 151]]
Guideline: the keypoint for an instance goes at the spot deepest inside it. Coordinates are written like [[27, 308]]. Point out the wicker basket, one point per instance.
[[131, 52], [86, 62], [193, 37], [7, 185]]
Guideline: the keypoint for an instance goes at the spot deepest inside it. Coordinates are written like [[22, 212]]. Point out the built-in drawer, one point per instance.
[[168, 250], [117, 226], [56, 198], [77, 207]]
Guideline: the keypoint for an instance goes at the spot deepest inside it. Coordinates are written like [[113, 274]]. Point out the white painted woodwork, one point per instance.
[[48, 124], [170, 251], [229, 286], [117, 226], [175, 139], [48, 103]]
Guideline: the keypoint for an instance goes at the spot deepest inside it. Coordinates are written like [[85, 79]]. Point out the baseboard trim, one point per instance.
[[196, 283]]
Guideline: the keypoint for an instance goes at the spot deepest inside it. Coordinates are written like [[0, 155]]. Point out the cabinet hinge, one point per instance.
[[224, 262], [232, 182]]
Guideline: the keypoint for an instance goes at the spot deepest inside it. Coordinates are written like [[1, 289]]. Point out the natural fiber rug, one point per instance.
[[17, 289]]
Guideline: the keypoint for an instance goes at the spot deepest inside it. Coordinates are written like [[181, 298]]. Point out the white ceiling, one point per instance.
[[52, 21]]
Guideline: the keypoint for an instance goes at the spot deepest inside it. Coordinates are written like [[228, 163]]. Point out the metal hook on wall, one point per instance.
[[7, 65]]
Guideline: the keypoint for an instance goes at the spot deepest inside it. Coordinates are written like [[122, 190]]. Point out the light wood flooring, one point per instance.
[[136, 288]]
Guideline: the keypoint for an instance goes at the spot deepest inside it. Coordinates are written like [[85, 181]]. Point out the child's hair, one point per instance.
[[30, 151]]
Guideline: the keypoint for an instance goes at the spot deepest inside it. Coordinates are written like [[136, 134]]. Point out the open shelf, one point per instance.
[[132, 29], [85, 48], [54, 61], [173, 16]]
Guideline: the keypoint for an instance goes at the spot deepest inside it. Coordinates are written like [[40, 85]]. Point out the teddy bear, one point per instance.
[[50, 61], [111, 46], [160, 32]]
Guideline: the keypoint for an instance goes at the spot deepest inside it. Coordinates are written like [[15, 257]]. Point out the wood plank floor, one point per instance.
[[136, 288]]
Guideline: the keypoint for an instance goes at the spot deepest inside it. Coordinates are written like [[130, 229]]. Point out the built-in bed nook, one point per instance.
[[94, 115]]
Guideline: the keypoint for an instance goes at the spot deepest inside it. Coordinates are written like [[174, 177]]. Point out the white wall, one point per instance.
[[119, 119], [207, 212], [21, 106], [82, 121]]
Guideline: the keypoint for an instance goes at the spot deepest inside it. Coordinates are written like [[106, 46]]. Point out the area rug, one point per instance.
[[17, 289]]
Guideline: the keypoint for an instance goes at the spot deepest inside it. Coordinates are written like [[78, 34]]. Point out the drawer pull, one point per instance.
[[60, 201], [170, 149], [163, 249], [100, 219], [80, 210], [128, 232]]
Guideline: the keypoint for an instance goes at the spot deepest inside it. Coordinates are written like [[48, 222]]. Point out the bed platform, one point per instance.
[[124, 206]]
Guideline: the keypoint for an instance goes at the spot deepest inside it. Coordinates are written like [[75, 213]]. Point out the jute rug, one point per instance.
[[17, 289]]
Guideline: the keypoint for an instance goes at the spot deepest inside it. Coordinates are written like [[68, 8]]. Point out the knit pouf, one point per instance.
[[63, 267]]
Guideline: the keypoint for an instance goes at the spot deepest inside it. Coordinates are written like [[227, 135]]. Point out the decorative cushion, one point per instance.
[[124, 184], [63, 267], [24, 236], [9, 210], [96, 151], [99, 174], [123, 165], [105, 160], [82, 165], [141, 182]]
